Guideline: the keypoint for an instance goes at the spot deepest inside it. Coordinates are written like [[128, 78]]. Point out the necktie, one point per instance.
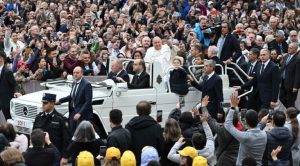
[[250, 69], [281, 48], [288, 59], [74, 90], [286, 63], [262, 68], [135, 78], [205, 78]]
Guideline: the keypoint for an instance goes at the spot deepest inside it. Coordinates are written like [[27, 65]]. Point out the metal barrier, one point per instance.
[[238, 76], [193, 66]]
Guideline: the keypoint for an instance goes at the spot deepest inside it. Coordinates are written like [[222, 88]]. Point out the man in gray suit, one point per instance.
[[253, 141]]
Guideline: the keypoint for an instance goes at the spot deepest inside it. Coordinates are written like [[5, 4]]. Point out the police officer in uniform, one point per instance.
[[53, 122]]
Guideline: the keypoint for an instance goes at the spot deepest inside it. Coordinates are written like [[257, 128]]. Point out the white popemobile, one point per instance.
[[107, 95]]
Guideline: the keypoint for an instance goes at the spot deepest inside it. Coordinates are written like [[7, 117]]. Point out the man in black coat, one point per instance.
[[145, 131], [252, 67], [119, 136], [7, 87], [118, 73], [43, 151], [267, 79], [53, 122], [279, 135], [290, 74], [228, 45], [279, 43], [80, 100], [229, 50], [211, 86], [141, 79]]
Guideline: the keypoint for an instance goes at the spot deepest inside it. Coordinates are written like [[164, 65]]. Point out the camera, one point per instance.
[[215, 29]]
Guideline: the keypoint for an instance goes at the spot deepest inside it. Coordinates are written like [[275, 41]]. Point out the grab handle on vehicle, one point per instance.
[[152, 102]]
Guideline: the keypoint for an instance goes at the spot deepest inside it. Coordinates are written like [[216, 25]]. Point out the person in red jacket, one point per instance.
[[71, 61]]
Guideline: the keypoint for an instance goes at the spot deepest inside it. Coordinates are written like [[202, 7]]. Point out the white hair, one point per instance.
[[259, 37], [279, 33], [213, 49]]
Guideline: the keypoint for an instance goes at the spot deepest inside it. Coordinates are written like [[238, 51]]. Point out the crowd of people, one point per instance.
[[42, 40]]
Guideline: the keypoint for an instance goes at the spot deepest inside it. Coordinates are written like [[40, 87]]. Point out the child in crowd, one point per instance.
[[178, 77]]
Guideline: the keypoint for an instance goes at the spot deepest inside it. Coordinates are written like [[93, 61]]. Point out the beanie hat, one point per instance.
[[128, 159], [85, 158], [188, 152], [112, 152], [149, 153], [200, 161]]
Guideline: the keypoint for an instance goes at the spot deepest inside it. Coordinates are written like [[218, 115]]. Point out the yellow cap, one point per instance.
[[199, 161], [188, 152], [128, 159], [85, 158], [113, 152]]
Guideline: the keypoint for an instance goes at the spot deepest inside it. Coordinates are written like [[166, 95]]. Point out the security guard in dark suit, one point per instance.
[[53, 122]]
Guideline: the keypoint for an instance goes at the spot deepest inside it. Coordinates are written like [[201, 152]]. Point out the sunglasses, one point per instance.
[[45, 102]]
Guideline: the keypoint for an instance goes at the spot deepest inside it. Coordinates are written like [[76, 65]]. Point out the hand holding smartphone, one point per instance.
[[159, 116]]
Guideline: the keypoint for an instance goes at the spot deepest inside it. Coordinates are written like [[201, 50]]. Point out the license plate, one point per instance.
[[23, 123]]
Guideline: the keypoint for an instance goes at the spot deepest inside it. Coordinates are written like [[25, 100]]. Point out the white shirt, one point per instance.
[[254, 63], [266, 63], [1, 67], [210, 75], [10, 46], [163, 56], [114, 52], [76, 82]]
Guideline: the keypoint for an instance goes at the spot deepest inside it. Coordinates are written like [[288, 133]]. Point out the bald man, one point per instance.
[[80, 100], [160, 53], [146, 42]]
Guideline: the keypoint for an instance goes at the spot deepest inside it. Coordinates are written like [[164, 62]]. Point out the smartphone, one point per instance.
[[243, 113], [102, 150], [159, 116], [181, 101], [271, 113]]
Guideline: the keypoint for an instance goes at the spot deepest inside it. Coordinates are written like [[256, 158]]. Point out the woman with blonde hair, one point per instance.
[[11, 157], [172, 133]]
